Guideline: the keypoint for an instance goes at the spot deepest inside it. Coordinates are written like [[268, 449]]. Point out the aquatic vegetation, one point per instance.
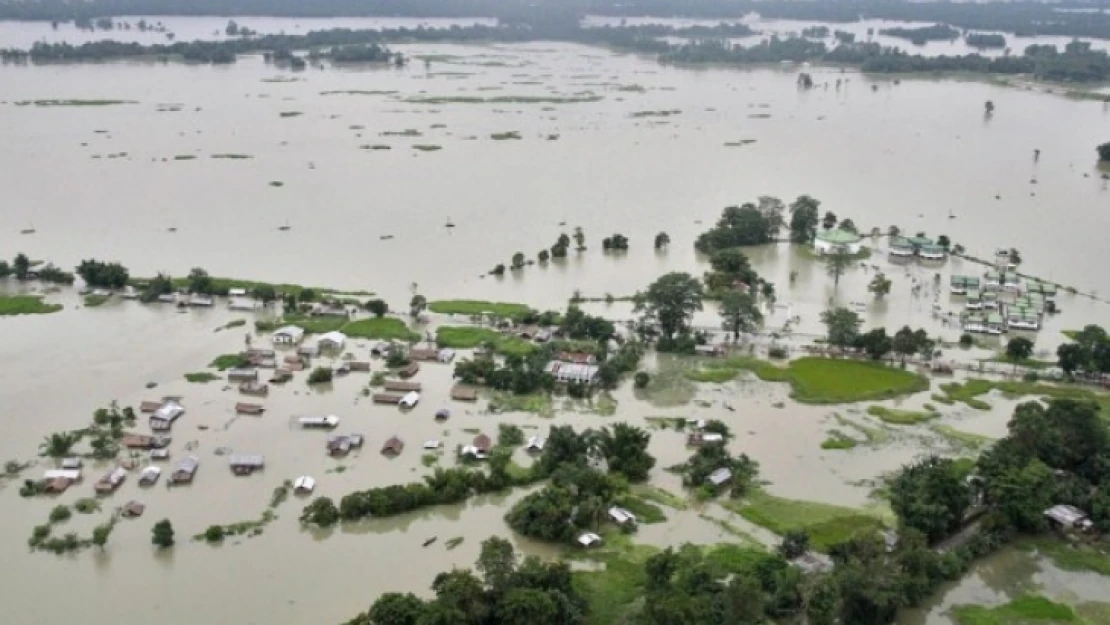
[[894, 416], [1069, 556], [646, 513], [468, 337], [740, 143], [660, 496], [234, 323], [73, 102], [376, 146], [277, 183], [429, 459], [826, 524], [357, 92], [538, 403], [503, 136], [388, 328], [92, 301], [504, 99], [717, 375], [232, 156], [290, 114], [453, 542], [839, 440], [665, 113], [872, 436], [424, 147], [201, 377], [477, 307], [961, 438], [408, 132], [86, 505], [1026, 609], [969, 391], [26, 305], [184, 157], [224, 362]]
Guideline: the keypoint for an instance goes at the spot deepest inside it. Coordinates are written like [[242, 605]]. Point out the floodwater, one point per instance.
[[910, 154]]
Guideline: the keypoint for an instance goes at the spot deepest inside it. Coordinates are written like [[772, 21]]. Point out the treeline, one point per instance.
[[1088, 353], [923, 34], [23, 269]]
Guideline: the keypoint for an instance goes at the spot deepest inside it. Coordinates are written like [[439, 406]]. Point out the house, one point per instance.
[[159, 454], [133, 509], [621, 516], [543, 336], [381, 349], [333, 341], [836, 241], [185, 470], [237, 292], [149, 476], [167, 298], [329, 310], [402, 386], [109, 483], [163, 418], [143, 441], [482, 443], [445, 355], [330, 421], [900, 248], [197, 299], [73, 475], [589, 539], [255, 388], [72, 463], [890, 540], [281, 376], [304, 485], [242, 375], [812, 562], [578, 358], [410, 400], [443, 414], [409, 370], [288, 335], [470, 451], [535, 444], [245, 465], [242, 303], [464, 393], [433, 444], [393, 446], [709, 350], [720, 477], [387, 398], [341, 369], [931, 252], [249, 409], [341, 445], [359, 365], [572, 372], [424, 354], [150, 406], [1068, 518], [529, 332], [697, 439]]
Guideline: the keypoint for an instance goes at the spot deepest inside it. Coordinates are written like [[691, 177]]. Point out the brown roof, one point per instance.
[[133, 509], [254, 388], [410, 370], [359, 365], [400, 385], [149, 406], [576, 357], [424, 354], [246, 408], [387, 398], [58, 485], [393, 445], [464, 393], [483, 442]]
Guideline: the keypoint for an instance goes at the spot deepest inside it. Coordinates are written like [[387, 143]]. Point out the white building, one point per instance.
[[332, 341], [621, 516], [289, 335]]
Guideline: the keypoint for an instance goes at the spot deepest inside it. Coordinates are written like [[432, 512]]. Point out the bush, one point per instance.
[[162, 534], [320, 375], [59, 514], [966, 340], [1031, 376], [641, 379], [509, 435], [776, 352], [214, 533]]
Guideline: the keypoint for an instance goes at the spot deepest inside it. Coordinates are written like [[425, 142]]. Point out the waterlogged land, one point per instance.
[[311, 208]]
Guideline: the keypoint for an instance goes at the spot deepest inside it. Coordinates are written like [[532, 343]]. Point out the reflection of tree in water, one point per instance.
[[1010, 572]]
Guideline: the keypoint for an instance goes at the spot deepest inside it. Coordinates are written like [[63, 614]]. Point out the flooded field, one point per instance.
[[110, 181]]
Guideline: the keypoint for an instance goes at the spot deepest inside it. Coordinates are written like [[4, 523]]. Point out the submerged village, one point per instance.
[[585, 459], [536, 317]]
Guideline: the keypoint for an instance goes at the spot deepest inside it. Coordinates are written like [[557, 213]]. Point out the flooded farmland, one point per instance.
[[112, 181]]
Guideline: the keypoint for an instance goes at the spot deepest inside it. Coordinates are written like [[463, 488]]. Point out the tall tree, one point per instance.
[[670, 302], [496, 563], [804, 217], [739, 313], [1019, 349], [828, 222], [880, 285], [21, 266], [836, 264], [842, 326], [394, 608], [162, 534], [625, 449], [906, 343], [662, 240], [417, 305], [931, 496], [200, 281]]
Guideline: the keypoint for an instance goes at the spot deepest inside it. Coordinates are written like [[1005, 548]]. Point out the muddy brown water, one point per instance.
[[888, 157]]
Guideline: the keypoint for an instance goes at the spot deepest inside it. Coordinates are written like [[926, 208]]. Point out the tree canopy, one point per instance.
[[670, 302]]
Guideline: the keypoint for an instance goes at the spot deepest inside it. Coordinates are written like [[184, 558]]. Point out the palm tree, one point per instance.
[[58, 444]]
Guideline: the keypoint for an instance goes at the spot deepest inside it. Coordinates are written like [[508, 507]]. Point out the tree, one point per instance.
[[579, 239], [543, 256], [107, 275], [417, 305], [804, 218], [617, 242], [743, 225], [662, 240], [794, 543], [394, 608], [988, 107], [944, 242], [641, 379], [1019, 349], [161, 284], [931, 496], [739, 313], [59, 444], [875, 343], [161, 534], [232, 28], [906, 343], [518, 260], [1104, 152], [828, 222], [498, 269], [21, 266], [880, 285], [320, 375], [670, 301], [805, 81], [101, 533], [321, 511], [496, 563], [842, 326], [836, 264], [264, 293], [625, 449], [377, 307], [199, 281], [1070, 357], [848, 226], [527, 606]]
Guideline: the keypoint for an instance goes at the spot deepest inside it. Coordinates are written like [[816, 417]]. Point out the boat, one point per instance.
[[386, 237], [430, 540], [171, 229], [286, 227], [30, 230]]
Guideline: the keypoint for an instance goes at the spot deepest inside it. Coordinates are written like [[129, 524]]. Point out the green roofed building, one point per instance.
[[837, 241]]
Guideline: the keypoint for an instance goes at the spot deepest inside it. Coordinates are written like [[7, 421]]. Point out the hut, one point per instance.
[[149, 406], [709, 350], [251, 409], [409, 370], [163, 418], [697, 439], [424, 354], [57, 485], [433, 444], [621, 516], [341, 368], [1068, 518], [185, 470], [387, 398], [149, 476], [73, 475], [242, 375], [308, 351], [482, 443], [255, 388], [381, 349], [304, 485], [198, 299], [578, 358], [393, 447], [333, 341], [410, 400], [288, 335], [328, 421], [572, 372], [402, 386], [159, 454], [464, 393], [446, 356], [341, 445], [110, 482], [720, 477], [589, 539], [133, 509], [535, 444], [359, 365], [72, 463], [281, 376], [143, 441], [245, 465]]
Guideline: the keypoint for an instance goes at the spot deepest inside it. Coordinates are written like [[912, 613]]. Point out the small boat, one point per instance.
[[430, 540], [30, 230], [171, 229], [386, 237], [450, 224]]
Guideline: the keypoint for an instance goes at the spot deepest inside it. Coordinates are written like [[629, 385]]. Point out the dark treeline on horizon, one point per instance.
[[1020, 18]]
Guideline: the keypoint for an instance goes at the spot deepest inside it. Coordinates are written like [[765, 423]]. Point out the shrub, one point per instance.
[[214, 533], [320, 375], [641, 379], [966, 340], [59, 514], [1031, 376], [777, 352]]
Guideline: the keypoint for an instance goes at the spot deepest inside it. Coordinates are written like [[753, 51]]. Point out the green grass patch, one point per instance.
[[969, 391], [234, 157], [429, 460], [713, 376], [742, 537], [961, 438], [1023, 610], [819, 380], [538, 403], [894, 416], [26, 305], [872, 436], [388, 328], [92, 301], [469, 337], [839, 440], [645, 511], [184, 157], [505, 136], [826, 524], [454, 542], [477, 307], [660, 496], [73, 102], [224, 362], [427, 147], [201, 377], [1068, 556]]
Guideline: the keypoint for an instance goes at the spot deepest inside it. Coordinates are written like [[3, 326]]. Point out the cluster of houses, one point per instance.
[[577, 367], [917, 247], [1002, 301]]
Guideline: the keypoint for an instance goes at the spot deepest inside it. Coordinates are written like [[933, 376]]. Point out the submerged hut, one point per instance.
[[109, 483], [409, 370], [281, 376], [304, 485], [255, 388], [464, 393], [133, 509], [387, 398], [245, 465], [393, 447], [185, 470], [251, 409], [402, 386]]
